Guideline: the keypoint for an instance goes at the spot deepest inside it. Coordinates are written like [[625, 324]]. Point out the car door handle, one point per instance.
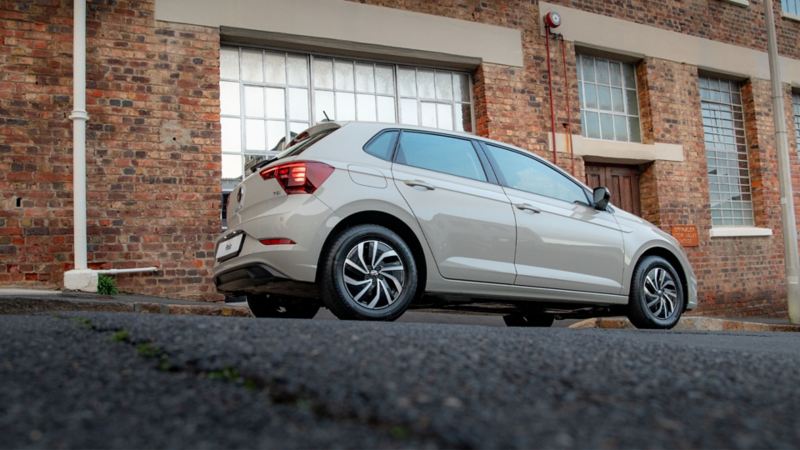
[[419, 184], [527, 207]]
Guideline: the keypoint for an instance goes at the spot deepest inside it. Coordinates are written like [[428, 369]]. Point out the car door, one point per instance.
[[562, 242], [468, 222]]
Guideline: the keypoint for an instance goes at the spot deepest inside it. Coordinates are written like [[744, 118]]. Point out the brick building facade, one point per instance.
[[156, 137]]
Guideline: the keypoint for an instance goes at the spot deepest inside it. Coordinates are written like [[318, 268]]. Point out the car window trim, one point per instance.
[[378, 135], [557, 169], [400, 138]]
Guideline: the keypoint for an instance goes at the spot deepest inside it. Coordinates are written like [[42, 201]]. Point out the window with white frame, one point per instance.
[[791, 7], [268, 95], [726, 152], [609, 104], [796, 114]]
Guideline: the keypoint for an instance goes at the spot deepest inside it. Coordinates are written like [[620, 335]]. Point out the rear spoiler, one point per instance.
[[256, 163]]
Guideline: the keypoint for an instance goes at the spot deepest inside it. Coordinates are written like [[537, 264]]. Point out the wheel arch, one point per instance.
[[389, 221]]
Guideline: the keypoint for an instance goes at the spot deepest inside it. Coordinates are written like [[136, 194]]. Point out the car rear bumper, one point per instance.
[[259, 278]]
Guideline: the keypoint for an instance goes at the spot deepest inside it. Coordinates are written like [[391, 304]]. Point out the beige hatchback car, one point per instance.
[[370, 219]]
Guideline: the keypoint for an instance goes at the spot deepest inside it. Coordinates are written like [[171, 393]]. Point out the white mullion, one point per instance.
[[310, 83], [395, 68], [242, 114]]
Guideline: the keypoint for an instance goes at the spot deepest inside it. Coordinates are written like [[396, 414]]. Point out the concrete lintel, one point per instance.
[[616, 151]]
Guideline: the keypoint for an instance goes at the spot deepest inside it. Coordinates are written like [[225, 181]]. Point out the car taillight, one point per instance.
[[298, 177]]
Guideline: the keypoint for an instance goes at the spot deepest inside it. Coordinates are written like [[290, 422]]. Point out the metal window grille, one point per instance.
[[796, 113], [268, 95], [726, 152], [609, 104], [791, 7]]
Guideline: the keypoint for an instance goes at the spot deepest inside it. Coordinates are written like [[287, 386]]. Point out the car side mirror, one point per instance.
[[601, 195]]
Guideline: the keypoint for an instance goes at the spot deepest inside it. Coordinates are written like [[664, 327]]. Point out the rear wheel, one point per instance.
[[368, 273], [657, 295], [282, 307]]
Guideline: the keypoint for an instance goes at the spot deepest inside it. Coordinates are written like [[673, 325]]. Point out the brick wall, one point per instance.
[[153, 161]]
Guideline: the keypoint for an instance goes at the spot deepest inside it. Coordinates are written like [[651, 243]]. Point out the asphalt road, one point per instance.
[[92, 380]]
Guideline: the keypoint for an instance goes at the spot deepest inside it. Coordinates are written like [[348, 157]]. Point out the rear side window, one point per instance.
[[382, 146], [524, 173], [444, 154]]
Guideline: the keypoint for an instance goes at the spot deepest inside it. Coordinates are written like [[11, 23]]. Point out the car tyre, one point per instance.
[[368, 273], [282, 307], [657, 298]]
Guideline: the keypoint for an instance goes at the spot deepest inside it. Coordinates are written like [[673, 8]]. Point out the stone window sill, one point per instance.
[[722, 232], [739, 2], [786, 15]]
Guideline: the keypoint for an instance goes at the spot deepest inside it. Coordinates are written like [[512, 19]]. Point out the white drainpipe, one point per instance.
[[81, 277]]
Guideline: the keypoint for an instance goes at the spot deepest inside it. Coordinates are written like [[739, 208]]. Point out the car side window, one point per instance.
[[382, 146], [524, 173], [450, 155]]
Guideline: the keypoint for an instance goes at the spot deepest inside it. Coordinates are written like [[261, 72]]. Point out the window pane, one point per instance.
[[525, 173], [606, 126], [231, 134], [634, 128], [439, 153], [229, 98], [426, 84], [323, 73], [384, 80], [408, 112], [344, 75], [591, 124], [229, 63], [444, 86], [365, 107], [276, 106], [254, 101], [616, 74], [602, 71], [297, 69], [632, 101], [255, 134], [298, 104], [587, 65], [629, 76], [604, 98], [323, 102], [298, 127], [428, 115], [345, 106], [382, 146], [461, 87], [365, 78], [406, 82], [231, 166], [444, 116], [276, 130], [590, 96], [252, 70], [621, 128], [617, 104], [275, 68], [386, 110]]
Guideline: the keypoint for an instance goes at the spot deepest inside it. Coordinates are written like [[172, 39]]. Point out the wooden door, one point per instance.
[[622, 181]]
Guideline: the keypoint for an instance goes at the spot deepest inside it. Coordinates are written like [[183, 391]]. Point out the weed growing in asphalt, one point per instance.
[[147, 350], [121, 336], [84, 322]]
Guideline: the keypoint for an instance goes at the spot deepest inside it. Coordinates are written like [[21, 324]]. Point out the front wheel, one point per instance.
[[657, 297], [281, 307], [368, 273]]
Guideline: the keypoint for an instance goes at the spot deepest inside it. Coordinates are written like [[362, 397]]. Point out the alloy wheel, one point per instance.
[[660, 293], [373, 274]]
